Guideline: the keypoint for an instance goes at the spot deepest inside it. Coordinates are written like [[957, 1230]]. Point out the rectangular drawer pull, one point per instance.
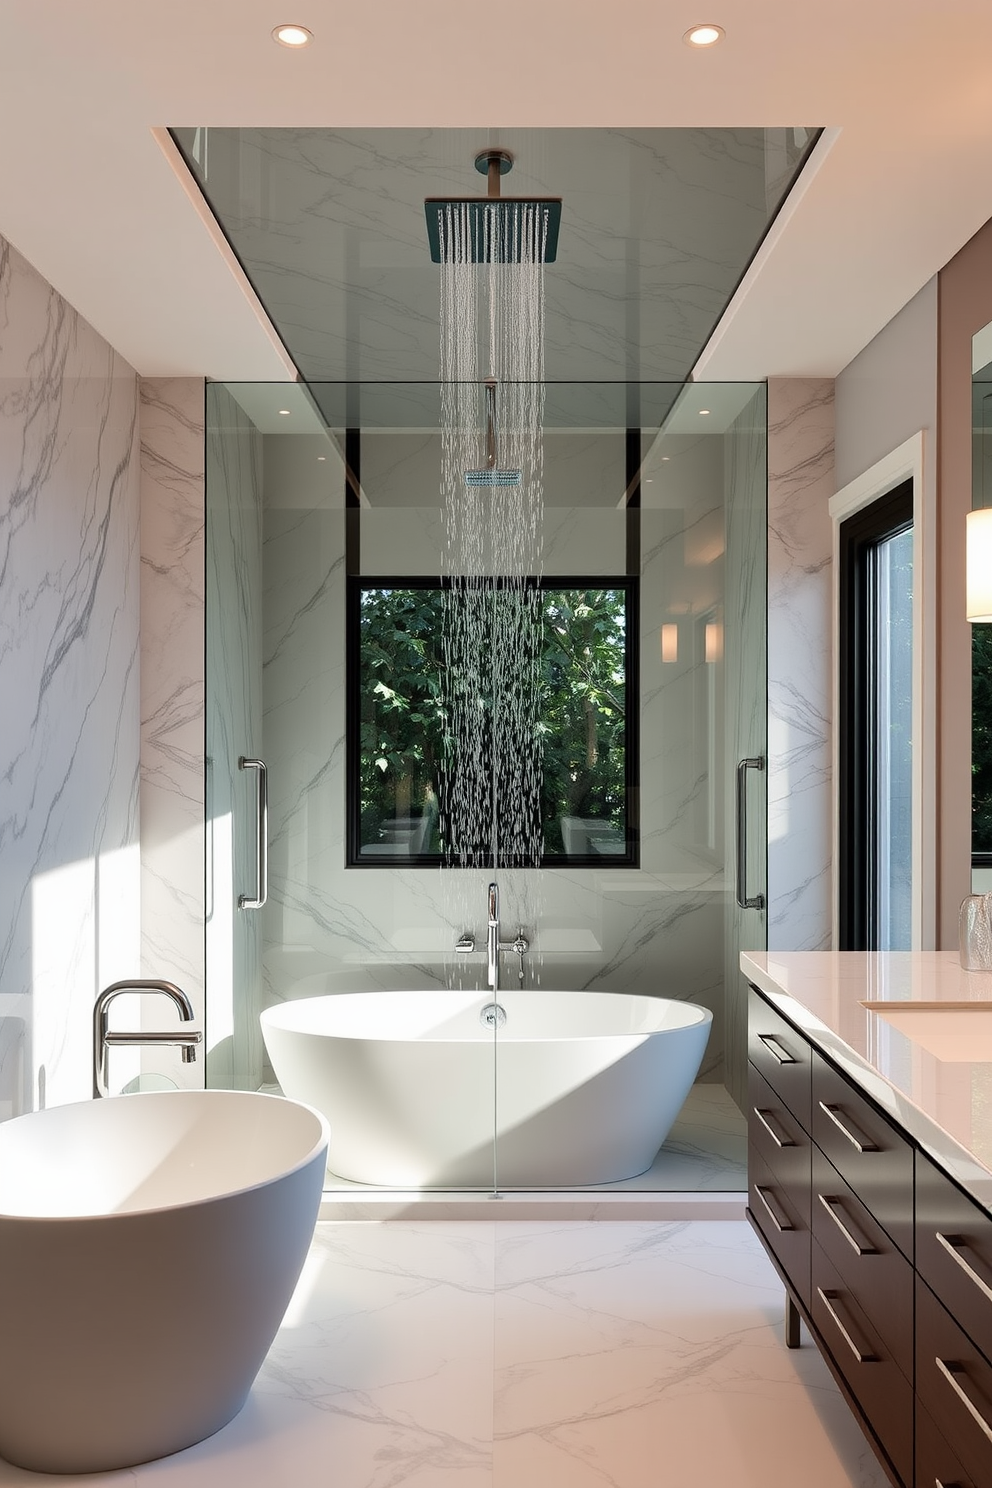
[[784, 1141], [950, 1244], [780, 1224], [776, 1048], [828, 1201], [862, 1355], [857, 1139], [950, 1373]]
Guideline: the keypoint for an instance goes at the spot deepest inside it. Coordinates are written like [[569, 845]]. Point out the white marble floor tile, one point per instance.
[[643, 1356], [462, 1354]]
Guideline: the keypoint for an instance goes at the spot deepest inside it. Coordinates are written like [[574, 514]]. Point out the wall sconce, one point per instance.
[[979, 550], [713, 640], [670, 642]]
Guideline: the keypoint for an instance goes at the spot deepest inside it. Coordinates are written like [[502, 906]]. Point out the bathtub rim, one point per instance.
[[482, 996], [318, 1150]]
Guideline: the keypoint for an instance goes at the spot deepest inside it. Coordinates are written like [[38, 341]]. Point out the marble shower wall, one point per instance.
[[234, 728], [800, 484], [69, 686], [655, 930], [172, 689]]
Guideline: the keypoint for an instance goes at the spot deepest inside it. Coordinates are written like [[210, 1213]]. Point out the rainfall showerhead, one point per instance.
[[492, 475], [493, 228]]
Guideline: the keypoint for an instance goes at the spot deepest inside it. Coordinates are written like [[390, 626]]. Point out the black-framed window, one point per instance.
[[402, 760], [875, 722]]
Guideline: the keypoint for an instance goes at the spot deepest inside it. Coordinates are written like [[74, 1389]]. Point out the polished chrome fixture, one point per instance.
[[104, 1040], [744, 899], [246, 901], [465, 944]]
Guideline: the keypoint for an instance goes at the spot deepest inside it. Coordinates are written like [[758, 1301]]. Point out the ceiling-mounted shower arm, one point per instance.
[[492, 164]]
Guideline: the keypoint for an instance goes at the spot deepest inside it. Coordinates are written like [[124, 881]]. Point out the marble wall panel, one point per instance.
[[233, 730], [69, 686], [172, 662], [800, 484]]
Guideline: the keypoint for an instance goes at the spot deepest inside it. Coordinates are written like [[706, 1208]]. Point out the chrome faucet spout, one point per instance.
[[104, 1040]]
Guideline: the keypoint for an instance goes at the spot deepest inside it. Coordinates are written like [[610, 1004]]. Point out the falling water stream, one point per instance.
[[492, 329]]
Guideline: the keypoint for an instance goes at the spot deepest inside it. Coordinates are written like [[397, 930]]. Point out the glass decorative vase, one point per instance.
[[975, 932]]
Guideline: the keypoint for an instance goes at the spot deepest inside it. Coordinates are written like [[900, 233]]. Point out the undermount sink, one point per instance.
[[954, 1032]]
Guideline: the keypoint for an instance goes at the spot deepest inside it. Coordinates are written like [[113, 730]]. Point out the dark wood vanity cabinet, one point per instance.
[[888, 1261]]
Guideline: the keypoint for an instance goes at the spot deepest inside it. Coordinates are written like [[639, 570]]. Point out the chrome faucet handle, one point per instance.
[[521, 945], [465, 945]]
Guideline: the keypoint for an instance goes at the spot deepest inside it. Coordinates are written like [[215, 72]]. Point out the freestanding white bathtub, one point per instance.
[[579, 1087], [149, 1246]]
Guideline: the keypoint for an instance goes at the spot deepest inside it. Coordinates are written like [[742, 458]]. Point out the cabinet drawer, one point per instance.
[[954, 1384], [781, 1213], [937, 1466], [954, 1251], [879, 1386], [780, 1054], [867, 1151], [778, 1138], [871, 1265]]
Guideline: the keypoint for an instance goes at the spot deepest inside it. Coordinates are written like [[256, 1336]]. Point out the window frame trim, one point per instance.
[[915, 458]]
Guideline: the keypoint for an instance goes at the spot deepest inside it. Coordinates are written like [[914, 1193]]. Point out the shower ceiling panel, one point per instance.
[[657, 228]]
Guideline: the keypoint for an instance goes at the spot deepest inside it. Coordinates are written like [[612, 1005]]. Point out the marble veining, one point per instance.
[[172, 692], [69, 686], [800, 484], [612, 1354]]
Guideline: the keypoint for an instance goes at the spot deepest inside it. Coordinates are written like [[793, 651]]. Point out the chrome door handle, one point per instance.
[[776, 1048], [950, 1373], [245, 901], [782, 1225], [780, 1141], [857, 1139], [828, 1299], [744, 901], [950, 1244], [828, 1201]]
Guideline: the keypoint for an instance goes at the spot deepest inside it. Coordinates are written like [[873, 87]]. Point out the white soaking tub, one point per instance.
[[580, 1087], [149, 1246]]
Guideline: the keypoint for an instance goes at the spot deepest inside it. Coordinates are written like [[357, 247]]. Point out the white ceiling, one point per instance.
[[88, 195]]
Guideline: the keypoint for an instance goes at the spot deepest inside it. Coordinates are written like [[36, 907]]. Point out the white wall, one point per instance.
[[69, 686]]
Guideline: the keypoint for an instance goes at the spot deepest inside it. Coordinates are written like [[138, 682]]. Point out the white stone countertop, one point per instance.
[[932, 1073]]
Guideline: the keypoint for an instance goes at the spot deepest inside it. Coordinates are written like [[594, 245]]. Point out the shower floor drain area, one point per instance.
[[493, 1015]]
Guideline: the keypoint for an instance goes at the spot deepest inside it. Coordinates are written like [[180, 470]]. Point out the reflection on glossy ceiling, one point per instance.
[[657, 228]]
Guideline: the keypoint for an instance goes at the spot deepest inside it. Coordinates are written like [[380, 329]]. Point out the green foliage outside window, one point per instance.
[[405, 746]]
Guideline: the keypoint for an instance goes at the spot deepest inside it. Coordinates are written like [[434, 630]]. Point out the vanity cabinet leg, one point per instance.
[[792, 1321]]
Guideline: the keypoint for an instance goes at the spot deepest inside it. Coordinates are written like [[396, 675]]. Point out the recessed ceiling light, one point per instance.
[[705, 35], [703, 412], [666, 457], [284, 412], [292, 36], [321, 457]]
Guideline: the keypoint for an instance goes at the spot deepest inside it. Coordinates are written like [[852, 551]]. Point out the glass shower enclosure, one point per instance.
[[330, 774]]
